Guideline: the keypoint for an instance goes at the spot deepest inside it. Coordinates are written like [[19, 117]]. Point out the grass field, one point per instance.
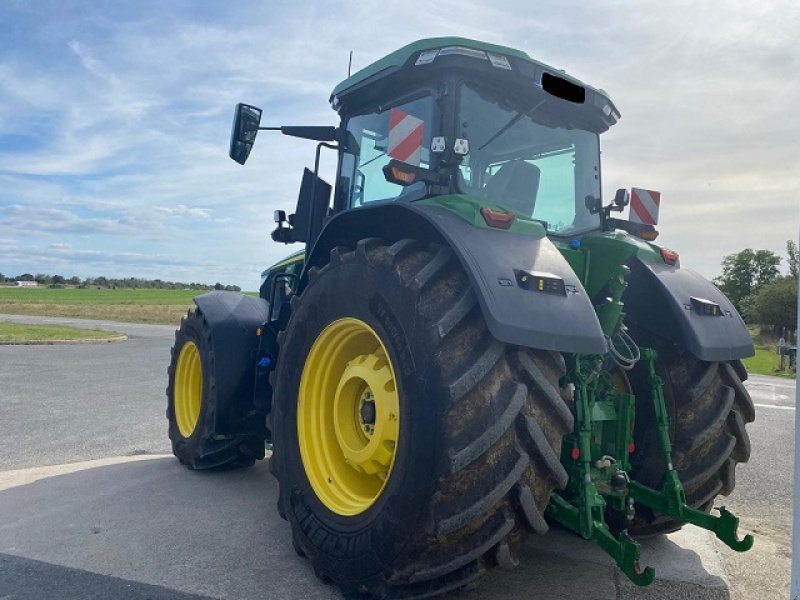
[[131, 305], [168, 306], [21, 332], [766, 362]]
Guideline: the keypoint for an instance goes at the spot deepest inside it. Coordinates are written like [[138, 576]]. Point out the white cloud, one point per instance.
[[182, 210], [91, 64], [128, 131]]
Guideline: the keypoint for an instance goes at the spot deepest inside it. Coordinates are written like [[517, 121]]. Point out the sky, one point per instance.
[[115, 119]]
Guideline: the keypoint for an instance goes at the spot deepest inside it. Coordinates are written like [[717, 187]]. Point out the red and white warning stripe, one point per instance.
[[644, 206], [405, 137]]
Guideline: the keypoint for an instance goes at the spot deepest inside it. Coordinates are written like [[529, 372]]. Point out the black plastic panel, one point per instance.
[[233, 318], [659, 299], [491, 257]]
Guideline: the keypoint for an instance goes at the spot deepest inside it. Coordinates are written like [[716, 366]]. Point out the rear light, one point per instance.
[[498, 61], [648, 235], [498, 218], [463, 51], [670, 257], [398, 175], [640, 230]]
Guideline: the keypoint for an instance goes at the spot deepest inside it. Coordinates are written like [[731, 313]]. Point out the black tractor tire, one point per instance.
[[708, 408], [478, 451], [202, 449]]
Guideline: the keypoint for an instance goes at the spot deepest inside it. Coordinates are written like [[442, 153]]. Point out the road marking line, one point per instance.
[[775, 406], [17, 477]]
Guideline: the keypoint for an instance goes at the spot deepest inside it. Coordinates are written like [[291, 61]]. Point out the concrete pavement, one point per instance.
[[147, 520], [79, 516], [67, 403]]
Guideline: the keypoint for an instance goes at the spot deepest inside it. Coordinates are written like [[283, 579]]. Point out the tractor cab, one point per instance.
[[452, 116]]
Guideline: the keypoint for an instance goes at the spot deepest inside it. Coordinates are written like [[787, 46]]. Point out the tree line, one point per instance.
[[114, 283], [752, 280]]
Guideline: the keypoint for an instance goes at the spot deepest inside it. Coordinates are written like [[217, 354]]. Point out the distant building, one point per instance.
[[27, 284]]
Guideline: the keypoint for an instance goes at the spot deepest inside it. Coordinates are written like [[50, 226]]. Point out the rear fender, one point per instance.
[[234, 320], [659, 300], [490, 258]]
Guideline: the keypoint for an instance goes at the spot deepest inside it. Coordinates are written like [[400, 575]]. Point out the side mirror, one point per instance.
[[622, 198], [593, 205], [244, 130]]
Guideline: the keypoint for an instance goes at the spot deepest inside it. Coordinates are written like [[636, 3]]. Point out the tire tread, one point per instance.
[[496, 476]]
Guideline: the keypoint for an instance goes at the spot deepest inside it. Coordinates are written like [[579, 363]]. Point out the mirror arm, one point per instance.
[[316, 133]]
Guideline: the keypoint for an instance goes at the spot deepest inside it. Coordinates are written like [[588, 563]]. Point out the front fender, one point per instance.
[[659, 299], [490, 257], [233, 319]]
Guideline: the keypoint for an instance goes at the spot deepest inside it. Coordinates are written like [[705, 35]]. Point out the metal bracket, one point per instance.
[[671, 499], [584, 511], [595, 456], [623, 549]]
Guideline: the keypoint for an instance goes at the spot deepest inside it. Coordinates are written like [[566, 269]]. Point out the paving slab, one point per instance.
[[144, 526]]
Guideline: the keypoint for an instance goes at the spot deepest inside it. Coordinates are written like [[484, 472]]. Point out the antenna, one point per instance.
[[350, 63]]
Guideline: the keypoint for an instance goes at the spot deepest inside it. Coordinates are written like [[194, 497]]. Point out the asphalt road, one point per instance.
[[90, 507], [66, 403], [763, 495]]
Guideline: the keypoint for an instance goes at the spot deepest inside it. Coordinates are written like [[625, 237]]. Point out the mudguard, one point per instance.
[[233, 319], [659, 299], [490, 257]]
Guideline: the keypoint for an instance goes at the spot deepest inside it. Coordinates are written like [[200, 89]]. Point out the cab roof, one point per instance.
[[399, 58]]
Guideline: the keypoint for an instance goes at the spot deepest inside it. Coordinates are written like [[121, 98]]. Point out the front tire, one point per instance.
[[191, 403], [475, 457]]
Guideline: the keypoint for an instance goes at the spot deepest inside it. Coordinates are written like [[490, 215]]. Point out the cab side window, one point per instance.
[[285, 281], [402, 132]]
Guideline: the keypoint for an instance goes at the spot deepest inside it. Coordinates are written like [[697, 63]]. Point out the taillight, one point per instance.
[[395, 174], [498, 218], [648, 234], [670, 257]]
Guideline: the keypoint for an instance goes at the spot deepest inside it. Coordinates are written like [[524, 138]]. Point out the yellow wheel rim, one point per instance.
[[188, 389], [348, 417]]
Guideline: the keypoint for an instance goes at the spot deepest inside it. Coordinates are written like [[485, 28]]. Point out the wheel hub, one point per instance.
[[365, 421], [348, 416], [367, 411]]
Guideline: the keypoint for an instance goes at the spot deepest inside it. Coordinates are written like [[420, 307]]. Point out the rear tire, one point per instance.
[[477, 454], [191, 403], [708, 408]]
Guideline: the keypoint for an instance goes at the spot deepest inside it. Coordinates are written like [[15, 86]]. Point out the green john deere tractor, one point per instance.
[[470, 347]]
